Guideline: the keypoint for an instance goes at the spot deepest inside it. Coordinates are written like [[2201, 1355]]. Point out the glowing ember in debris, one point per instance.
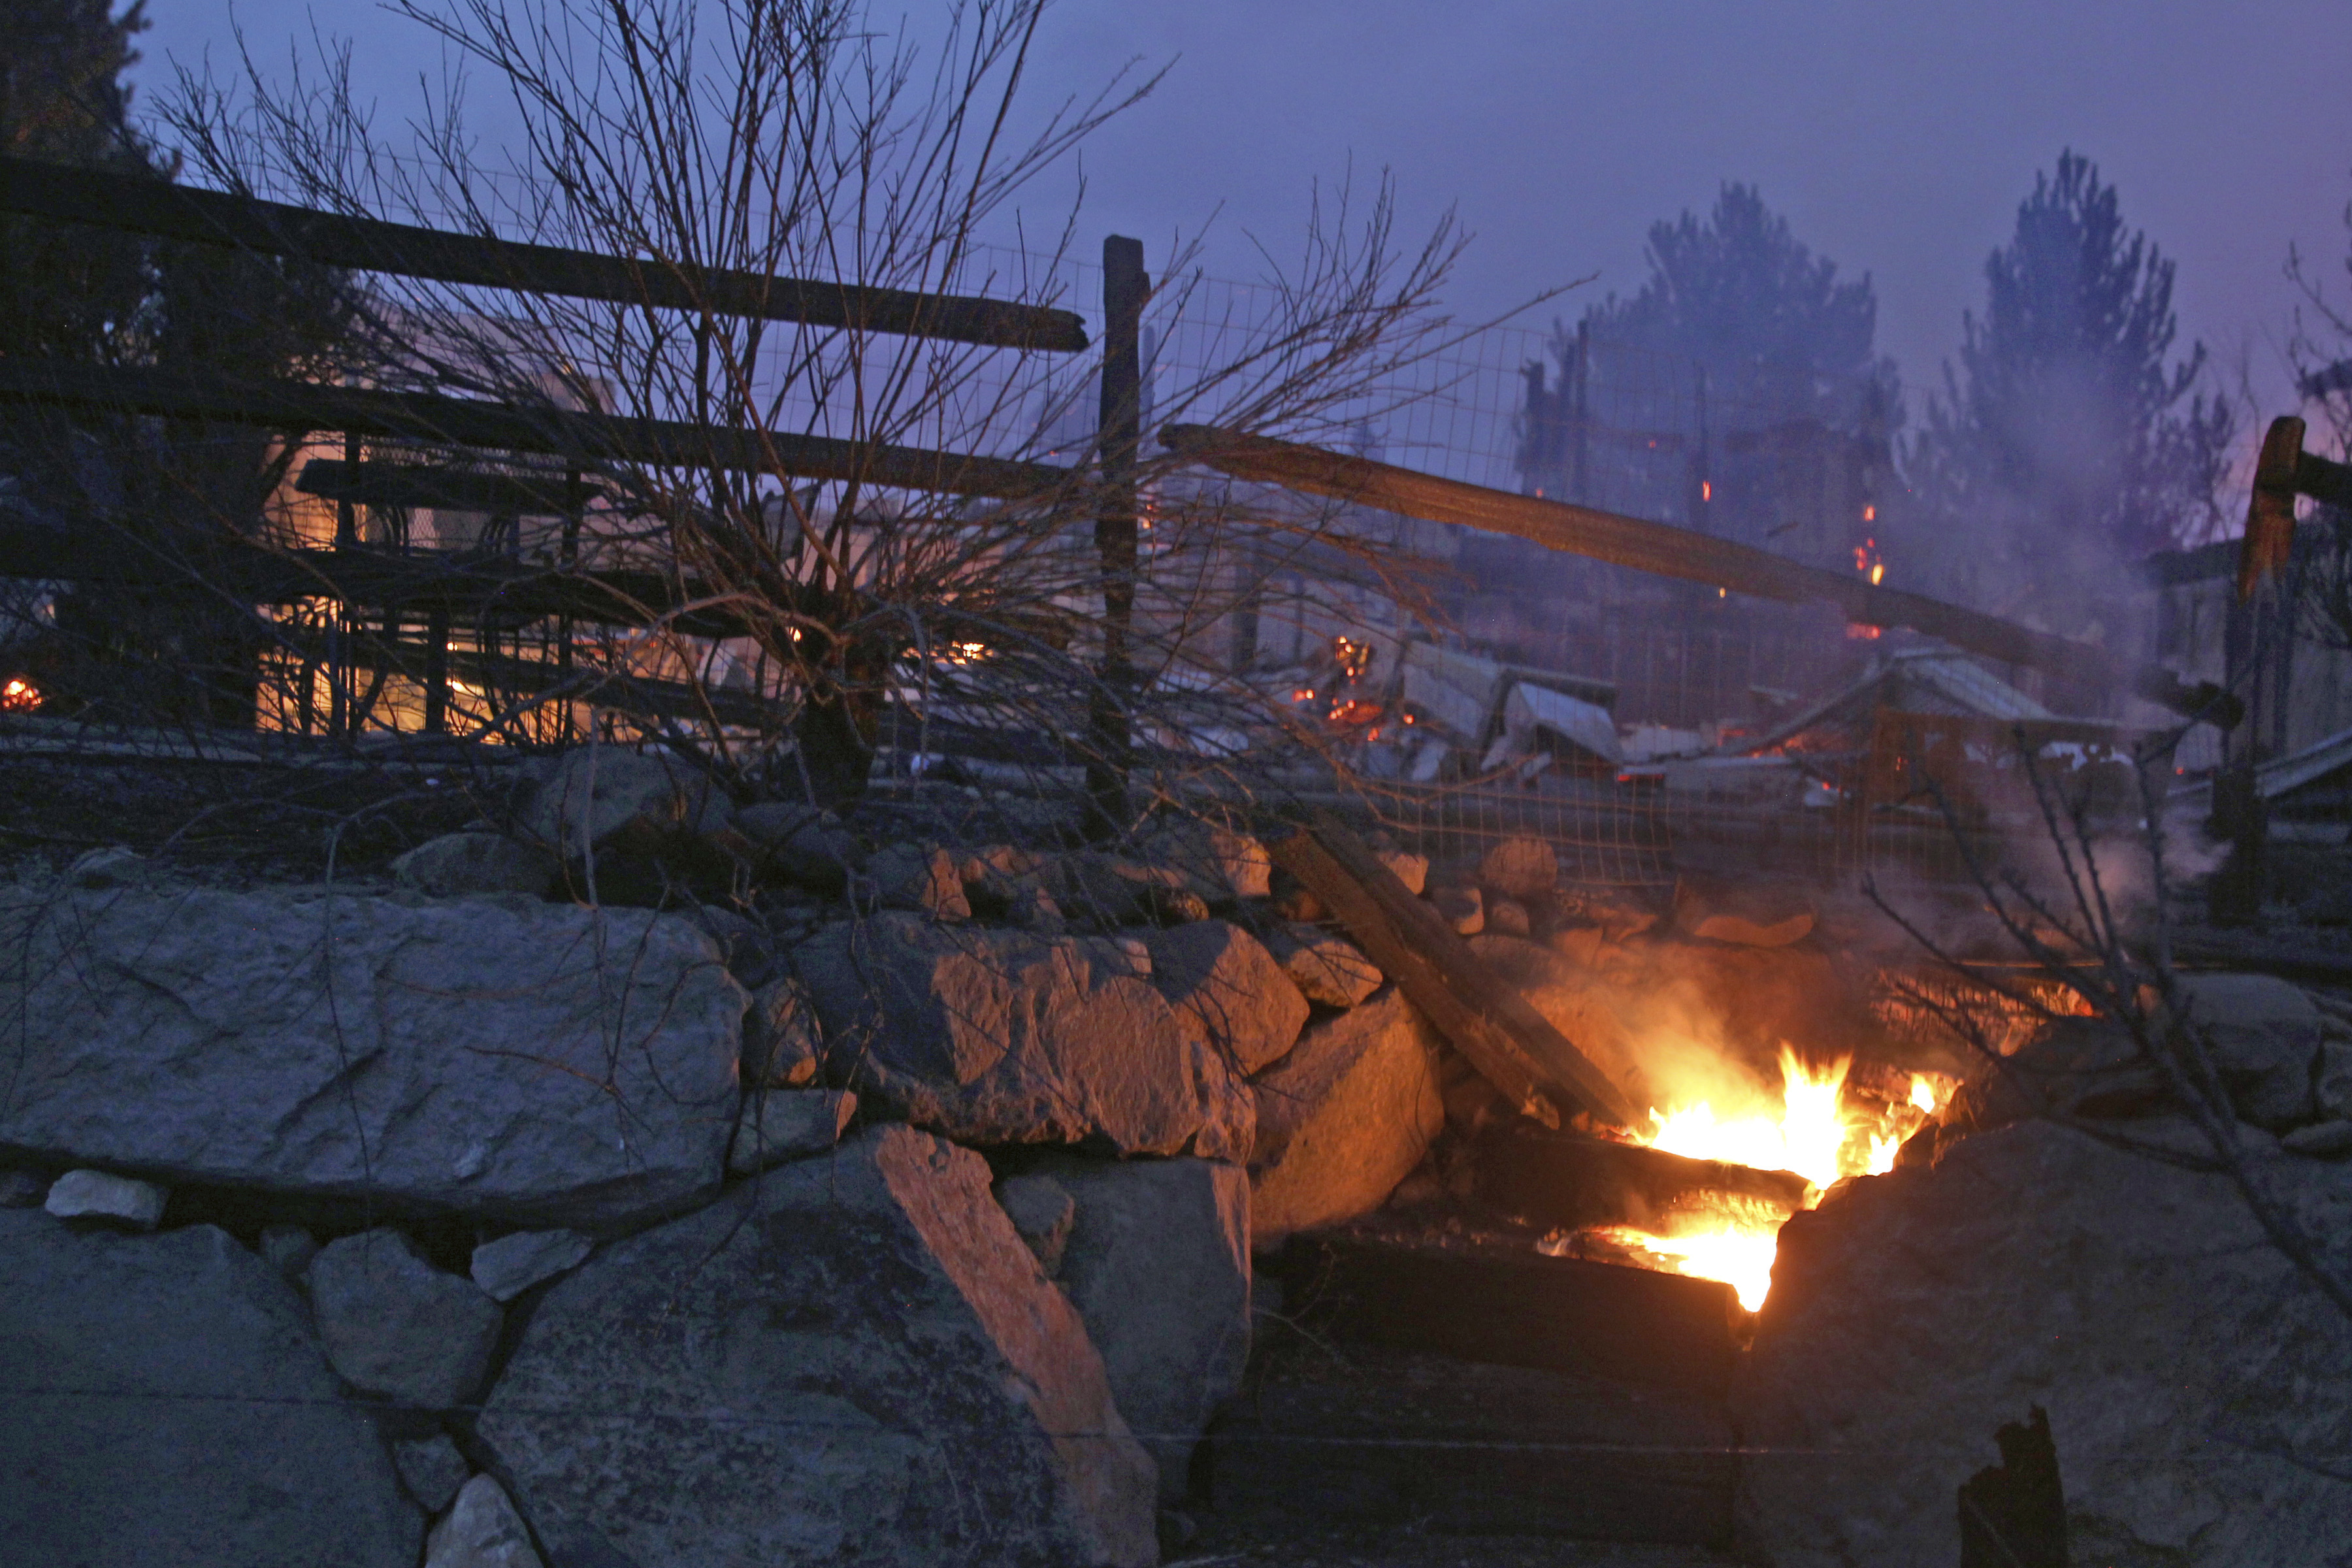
[[19, 696], [1820, 1131]]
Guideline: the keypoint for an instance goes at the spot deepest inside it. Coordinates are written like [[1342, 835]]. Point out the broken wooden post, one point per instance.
[[1514, 1047], [1110, 747]]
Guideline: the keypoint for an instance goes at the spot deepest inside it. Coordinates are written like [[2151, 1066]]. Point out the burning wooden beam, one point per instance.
[[1512, 1045], [1669, 551]]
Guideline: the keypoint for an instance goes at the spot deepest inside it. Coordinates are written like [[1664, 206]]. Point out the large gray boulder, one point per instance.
[[782, 1124], [505, 1269], [1158, 1264], [162, 1400], [599, 796], [2200, 1388], [534, 1064], [101, 1195], [929, 881], [1225, 977], [398, 1327], [1326, 968], [1344, 1117], [457, 863], [1218, 863], [2264, 1035], [481, 1531], [853, 1359], [1001, 1036]]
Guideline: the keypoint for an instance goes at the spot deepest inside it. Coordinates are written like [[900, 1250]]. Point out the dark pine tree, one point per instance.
[[65, 289], [1739, 390], [2070, 439], [1771, 321]]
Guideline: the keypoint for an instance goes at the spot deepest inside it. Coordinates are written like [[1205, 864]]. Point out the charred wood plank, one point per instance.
[[1573, 1181], [1668, 551], [79, 194], [432, 418], [1386, 1438], [1566, 1314], [1514, 1047]]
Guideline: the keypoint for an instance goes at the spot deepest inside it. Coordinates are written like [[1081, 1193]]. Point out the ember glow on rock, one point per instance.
[[1820, 1130]]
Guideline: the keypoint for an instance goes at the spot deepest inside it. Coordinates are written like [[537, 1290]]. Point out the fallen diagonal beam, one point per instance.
[[1665, 550], [1534, 1065], [432, 418], [81, 195]]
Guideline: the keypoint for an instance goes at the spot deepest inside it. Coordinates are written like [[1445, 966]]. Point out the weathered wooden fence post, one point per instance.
[[1110, 746]]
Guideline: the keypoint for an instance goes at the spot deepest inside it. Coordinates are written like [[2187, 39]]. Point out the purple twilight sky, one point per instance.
[[1897, 139]]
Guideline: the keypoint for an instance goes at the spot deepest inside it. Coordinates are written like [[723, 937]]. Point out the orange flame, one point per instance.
[[1818, 1132]]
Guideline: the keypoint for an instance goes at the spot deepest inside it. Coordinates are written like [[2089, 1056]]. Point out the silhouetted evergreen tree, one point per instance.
[[67, 289], [2069, 437], [1775, 328], [81, 293]]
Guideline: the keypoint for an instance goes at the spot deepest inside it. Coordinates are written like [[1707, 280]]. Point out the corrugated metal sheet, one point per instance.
[[1921, 681]]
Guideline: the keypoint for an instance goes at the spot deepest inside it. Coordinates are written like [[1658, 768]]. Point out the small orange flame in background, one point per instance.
[[1820, 1131], [19, 695]]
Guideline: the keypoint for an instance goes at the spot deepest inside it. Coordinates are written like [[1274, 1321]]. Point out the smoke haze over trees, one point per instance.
[[2070, 437], [1772, 322]]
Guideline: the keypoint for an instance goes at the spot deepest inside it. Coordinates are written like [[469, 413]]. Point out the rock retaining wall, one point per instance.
[[463, 1221]]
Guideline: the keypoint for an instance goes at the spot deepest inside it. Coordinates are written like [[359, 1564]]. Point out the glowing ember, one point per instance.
[[1819, 1131], [19, 696]]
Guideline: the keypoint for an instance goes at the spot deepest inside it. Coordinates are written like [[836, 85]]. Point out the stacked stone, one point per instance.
[[475, 1219]]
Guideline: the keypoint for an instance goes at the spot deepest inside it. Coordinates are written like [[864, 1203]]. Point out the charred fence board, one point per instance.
[[1515, 1047], [370, 245], [434, 419], [1665, 550]]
